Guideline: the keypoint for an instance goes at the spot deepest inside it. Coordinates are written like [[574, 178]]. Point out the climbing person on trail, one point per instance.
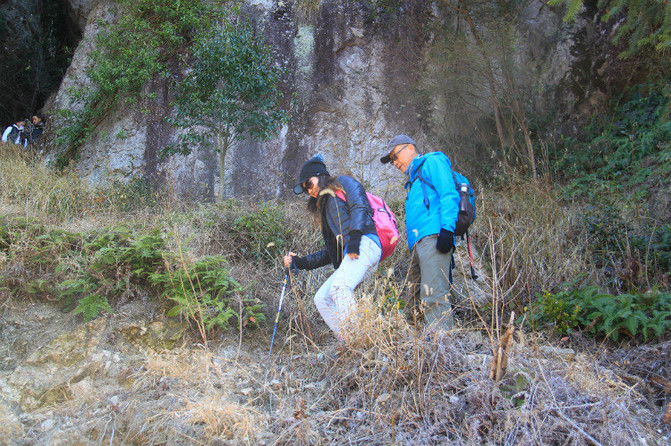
[[350, 239], [14, 132], [430, 219], [34, 131]]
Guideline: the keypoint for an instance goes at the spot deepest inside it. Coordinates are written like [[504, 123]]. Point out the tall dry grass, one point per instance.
[[388, 384], [532, 240], [29, 188]]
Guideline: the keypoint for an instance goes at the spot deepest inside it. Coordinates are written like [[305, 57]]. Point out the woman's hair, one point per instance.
[[315, 204]]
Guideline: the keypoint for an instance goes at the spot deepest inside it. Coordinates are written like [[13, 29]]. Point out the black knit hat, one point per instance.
[[313, 167]]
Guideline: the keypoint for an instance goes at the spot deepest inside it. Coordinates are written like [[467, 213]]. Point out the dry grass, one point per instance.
[[391, 383], [532, 240], [30, 188]]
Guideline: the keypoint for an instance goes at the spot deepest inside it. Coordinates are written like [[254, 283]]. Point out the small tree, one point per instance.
[[230, 93]]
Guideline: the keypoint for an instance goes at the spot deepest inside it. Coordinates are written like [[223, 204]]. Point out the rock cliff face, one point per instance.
[[359, 75]]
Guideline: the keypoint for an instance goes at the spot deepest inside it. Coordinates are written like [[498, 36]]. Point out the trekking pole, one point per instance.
[[287, 280]]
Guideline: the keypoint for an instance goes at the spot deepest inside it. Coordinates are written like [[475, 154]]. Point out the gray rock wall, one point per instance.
[[358, 76]]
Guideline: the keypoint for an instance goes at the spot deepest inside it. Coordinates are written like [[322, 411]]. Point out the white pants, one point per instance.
[[335, 298]]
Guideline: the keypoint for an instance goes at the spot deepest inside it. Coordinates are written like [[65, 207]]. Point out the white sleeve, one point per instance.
[[5, 135]]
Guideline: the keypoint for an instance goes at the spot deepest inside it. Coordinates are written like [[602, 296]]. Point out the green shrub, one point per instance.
[[204, 292], [644, 315], [92, 305], [656, 250], [115, 264], [262, 234], [607, 230], [635, 256], [623, 150], [137, 48], [91, 273], [33, 252]]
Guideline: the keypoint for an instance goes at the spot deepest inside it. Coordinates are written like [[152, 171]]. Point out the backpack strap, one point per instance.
[[423, 182], [452, 266], [427, 183], [454, 177]]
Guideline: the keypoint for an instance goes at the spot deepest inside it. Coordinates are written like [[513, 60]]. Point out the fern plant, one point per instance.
[[92, 305], [207, 295], [112, 264]]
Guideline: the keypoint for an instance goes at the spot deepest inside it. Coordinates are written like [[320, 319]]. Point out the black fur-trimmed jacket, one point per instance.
[[340, 221]]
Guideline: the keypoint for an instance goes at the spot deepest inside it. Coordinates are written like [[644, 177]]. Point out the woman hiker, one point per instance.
[[351, 242]]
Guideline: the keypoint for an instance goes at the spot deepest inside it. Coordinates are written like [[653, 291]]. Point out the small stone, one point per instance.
[[47, 424], [566, 354], [383, 398]]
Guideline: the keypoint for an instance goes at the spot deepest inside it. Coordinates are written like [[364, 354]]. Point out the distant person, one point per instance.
[[34, 132], [431, 210], [351, 243], [14, 132]]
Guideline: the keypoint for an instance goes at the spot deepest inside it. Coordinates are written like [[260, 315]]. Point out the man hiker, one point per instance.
[[14, 132], [431, 210], [35, 130]]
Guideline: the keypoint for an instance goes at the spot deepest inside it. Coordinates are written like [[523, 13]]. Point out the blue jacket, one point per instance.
[[443, 197]]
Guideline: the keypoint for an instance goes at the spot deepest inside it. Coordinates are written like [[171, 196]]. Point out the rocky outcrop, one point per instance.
[[80, 10], [358, 76], [48, 375]]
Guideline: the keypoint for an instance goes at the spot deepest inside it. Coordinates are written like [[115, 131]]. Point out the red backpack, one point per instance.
[[385, 222]]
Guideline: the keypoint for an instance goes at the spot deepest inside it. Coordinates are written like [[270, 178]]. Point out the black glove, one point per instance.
[[354, 242], [445, 241]]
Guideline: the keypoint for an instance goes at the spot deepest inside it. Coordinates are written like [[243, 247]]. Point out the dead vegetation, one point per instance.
[[390, 383]]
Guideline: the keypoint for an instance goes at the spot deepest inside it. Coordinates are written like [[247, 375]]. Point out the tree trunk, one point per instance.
[[224, 141], [222, 157]]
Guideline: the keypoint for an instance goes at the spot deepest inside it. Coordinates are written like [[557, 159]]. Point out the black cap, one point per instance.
[[396, 140], [313, 167]]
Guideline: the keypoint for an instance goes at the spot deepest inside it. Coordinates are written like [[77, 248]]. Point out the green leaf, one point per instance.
[[175, 311], [92, 305]]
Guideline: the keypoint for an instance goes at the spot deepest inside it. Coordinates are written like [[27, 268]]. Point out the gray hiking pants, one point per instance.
[[335, 298], [429, 279]]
